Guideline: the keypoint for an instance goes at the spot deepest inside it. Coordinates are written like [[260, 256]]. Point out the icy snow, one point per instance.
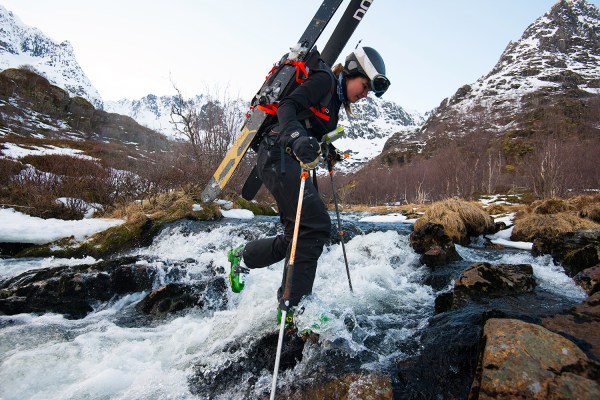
[[394, 217], [237, 213], [503, 238], [12, 150], [16, 227]]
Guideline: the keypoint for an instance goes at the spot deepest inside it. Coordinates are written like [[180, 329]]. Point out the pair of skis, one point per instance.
[[275, 89]]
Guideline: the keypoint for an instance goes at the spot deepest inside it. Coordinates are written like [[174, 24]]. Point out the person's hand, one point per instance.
[[334, 155], [307, 151]]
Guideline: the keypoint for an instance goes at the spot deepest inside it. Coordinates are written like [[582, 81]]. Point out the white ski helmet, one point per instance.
[[366, 61]]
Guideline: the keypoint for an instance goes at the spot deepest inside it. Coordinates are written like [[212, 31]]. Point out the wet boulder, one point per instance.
[[576, 251], [252, 360], [72, 290], [349, 231], [436, 248], [68, 291], [589, 279], [132, 278], [526, 361], [366, 386], [173, 297], [580, 324], [484, 280]]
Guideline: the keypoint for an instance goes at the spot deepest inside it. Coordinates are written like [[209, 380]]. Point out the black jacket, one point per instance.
[[294, 112]]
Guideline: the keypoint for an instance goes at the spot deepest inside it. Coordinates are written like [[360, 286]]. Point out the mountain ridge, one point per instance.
[[558, 52], [23, 45]]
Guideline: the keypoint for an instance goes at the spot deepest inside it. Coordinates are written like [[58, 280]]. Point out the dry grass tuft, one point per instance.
[[548, 226], [495, 209], [460, 219], [581, 202], [549, 206], [168, 206], [591, 212]]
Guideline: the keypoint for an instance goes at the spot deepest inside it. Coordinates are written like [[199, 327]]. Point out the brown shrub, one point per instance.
[[549, 206], [8, 168], [459, 218], [548, 226], [65, 165]]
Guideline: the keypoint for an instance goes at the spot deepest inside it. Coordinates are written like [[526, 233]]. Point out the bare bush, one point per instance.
[[210, 128]]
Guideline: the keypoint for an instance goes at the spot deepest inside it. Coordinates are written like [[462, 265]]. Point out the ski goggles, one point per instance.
[[380, 84]]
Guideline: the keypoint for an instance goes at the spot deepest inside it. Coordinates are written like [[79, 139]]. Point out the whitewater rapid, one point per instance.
[[111, 355]]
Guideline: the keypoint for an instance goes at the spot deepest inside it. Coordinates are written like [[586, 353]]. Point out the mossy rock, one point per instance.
[[255, 207]]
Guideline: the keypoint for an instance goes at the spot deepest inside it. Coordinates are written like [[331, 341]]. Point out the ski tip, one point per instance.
[[211, 191]]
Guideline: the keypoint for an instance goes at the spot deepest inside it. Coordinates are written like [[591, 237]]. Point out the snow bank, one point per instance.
[[16, 227]]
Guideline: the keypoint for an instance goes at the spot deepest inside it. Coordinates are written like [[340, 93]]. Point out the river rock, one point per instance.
[[175, 297], [589, 279], [436, 248], [73, 290], [70, 292], [526, 361], [255, 357], [484, 280], [575, 251], [580, 324], [373, 386]]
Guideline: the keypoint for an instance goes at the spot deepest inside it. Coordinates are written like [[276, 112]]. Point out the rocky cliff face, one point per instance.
[[31, 106], [545, 83], [22, 45]]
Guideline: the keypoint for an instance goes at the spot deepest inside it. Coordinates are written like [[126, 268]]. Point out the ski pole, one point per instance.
[[328, 138], [287, 292], [339, 223]]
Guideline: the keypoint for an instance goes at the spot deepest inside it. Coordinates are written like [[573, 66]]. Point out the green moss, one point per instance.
[[209, 212], [255, 207]]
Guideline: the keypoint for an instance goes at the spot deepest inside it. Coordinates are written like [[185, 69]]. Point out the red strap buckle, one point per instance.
[[268, 108]]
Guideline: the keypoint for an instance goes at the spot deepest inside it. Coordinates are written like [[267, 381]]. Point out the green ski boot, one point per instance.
[[237, 273]]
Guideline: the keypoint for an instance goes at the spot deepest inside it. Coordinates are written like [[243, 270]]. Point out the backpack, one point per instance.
[[312, 63]]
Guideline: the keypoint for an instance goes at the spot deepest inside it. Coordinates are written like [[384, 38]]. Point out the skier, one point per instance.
[[292, 146]]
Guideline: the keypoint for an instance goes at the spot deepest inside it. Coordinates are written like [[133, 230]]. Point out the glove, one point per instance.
[[334, 155], [307, 150]]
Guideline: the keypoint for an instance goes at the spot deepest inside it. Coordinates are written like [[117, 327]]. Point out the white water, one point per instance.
[[100, 357]]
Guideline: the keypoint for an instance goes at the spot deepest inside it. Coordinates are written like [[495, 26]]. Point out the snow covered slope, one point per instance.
[[22, 45], [559, 54]]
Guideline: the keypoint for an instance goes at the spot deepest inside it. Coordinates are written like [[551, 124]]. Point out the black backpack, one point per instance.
[[261, 101]]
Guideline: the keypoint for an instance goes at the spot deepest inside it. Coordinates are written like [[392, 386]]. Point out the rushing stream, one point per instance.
[[116, 353]]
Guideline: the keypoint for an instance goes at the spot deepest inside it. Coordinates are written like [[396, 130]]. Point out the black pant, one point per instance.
[[280, 173]]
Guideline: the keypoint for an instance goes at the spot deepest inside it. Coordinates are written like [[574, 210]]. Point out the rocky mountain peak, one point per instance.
[[567, 37], [558, 54], [22, 46]]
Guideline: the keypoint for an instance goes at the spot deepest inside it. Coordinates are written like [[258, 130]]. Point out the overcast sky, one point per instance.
[[131, 48]]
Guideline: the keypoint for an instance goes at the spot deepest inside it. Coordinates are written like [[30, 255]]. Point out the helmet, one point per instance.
[[366, 61]]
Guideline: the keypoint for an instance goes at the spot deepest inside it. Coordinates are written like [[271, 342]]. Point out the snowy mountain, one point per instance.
[[557, 56], [27, 47], [24, 46], [374, 122]]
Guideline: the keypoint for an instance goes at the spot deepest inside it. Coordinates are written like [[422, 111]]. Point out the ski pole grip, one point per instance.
[[333, 135], [304, 175]]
